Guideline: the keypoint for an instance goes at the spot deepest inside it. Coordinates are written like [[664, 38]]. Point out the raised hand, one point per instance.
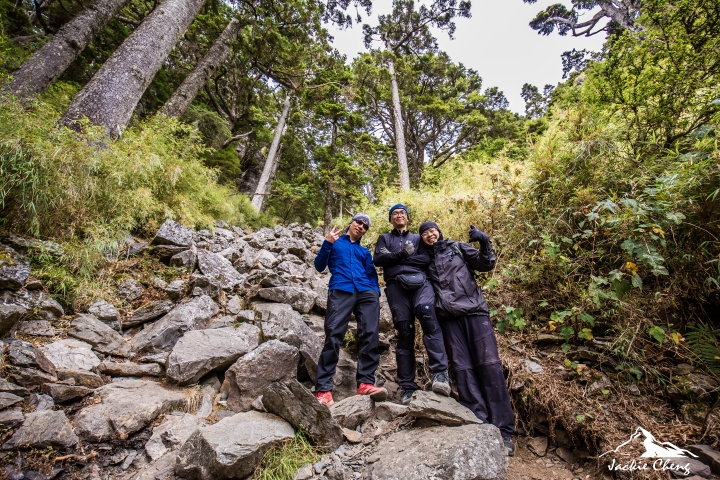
[[409, 247], [333, 235], [477, 235]]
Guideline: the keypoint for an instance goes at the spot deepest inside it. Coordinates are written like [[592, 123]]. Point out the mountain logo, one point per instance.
[[653, 448]]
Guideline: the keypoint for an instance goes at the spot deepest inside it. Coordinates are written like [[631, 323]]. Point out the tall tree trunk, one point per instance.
[[183, 96], [258, 199], [48, 63], [276, 162], [327, 217], [399, 130], [111, 96]]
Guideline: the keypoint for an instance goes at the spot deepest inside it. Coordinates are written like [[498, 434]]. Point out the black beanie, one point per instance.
[[429, 225]]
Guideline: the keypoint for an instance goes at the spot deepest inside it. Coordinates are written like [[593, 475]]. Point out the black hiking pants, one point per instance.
[[472, 347], [366, 307], [405, 306]]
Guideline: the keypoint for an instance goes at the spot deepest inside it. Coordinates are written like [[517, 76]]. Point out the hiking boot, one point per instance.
[[509, 446], [376, 393], [441, 383], [325, 398], [406, 396]]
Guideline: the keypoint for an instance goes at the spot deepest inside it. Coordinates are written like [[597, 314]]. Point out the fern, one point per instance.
[[705, 346]]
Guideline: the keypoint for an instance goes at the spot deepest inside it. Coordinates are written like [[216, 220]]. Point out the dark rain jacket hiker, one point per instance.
[[456, 292], [397, 261]]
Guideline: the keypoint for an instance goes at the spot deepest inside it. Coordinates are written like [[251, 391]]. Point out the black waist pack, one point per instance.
[[411, 281]]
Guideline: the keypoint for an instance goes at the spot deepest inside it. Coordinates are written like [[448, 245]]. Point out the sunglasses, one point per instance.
[[360, 222]]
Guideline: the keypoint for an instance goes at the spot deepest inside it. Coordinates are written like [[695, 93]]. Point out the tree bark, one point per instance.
[[258, 198], [183, 96], [48, 63], [399, 130], [111, 96]]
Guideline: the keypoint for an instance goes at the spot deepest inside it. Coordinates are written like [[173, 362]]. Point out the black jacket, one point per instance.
[[397, 261], [456, 291]]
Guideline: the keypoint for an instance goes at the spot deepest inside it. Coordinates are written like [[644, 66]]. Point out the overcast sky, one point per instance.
[[497, 42]]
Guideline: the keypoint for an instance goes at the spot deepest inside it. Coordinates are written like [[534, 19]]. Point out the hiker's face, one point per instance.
[[430, 236], [399, 218]]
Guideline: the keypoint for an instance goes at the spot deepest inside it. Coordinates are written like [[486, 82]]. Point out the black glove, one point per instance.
[[477, 235], [409, 247]]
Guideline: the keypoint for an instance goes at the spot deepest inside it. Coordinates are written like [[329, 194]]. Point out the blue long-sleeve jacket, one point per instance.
[[350, 263]]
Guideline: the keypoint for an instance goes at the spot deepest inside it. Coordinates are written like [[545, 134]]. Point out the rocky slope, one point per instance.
[[199, 377]]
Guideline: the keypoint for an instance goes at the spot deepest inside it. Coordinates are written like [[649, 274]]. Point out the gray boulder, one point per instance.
[[296, 404], [129, 290], [81, 377], [25, 245], [232, 448], [36, 328], [24, 354], [148, 312], [10, 387], [171, 434], [186, 259], [344, 381], [102, 338], [467, 452], [281, 322], [216, 266], [166, 252], [203, 285], [61, 393], [439, 408], [47, 428], [130, 369], [201, 351], [234, 305], [164, 333], [353, 411], [70, 354], [273, 361], [106, 313], [125, 408], [10, 315], [291, 268], [389, 411], [9, 399], [11, 418], [30, 377], [176, 290], [172, 233], [707, 455], [299, 298], [14, 269]]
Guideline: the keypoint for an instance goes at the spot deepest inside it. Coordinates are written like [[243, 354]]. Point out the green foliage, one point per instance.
[[513, 319], [281, 463], [703, 341]]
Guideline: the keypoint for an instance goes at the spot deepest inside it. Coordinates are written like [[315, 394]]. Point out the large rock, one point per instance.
[[299, 298], [296, 404], [9, 399], [469, 452], [81, 377], [172, 233], [125, 408], [232, 448], [148, 312], [273, 361], [201, 351], [441, 409], [707, 455], [171, 434], [281, 322], [186, 259], [345, 379], [216, 266], [103, 338], [26, 245], [14, 269], [30, 377], [10, 387], [24, 354], [106, 313], [47, 428], [130, 369], [129, 289], [353, 411], [70, 354], [164, 333], [36, 328], [64, 393], [176, 290], [10, 315], [11, 418]]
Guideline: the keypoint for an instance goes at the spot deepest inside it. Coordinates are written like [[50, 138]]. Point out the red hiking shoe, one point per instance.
[[325, 398], [376, 393]]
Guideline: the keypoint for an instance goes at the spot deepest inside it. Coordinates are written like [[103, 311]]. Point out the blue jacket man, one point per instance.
[[353, 288]]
